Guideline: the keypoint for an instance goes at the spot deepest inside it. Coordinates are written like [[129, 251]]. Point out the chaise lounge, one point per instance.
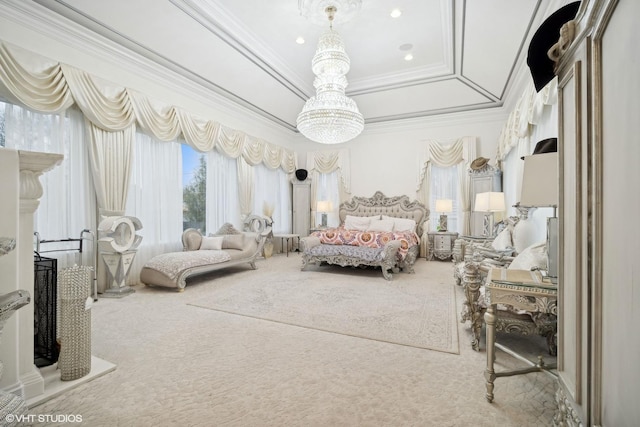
[[203, 254]]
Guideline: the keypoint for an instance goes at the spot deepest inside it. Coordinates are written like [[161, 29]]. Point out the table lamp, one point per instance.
[[443, 206], [489, 202], [540, 189], [324, 206]]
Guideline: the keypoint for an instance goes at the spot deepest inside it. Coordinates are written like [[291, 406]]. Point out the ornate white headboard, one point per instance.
[[379, 204]]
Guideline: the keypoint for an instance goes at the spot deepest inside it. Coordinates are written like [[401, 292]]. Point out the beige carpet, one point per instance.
[[351, 301], [180, 365]]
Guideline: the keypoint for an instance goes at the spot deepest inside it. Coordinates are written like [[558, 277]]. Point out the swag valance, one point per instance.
[[516, 132], [331, 161], [51, 87], [459, 153]]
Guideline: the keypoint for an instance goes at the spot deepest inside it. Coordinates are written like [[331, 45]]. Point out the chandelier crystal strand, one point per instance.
[[330, 117]]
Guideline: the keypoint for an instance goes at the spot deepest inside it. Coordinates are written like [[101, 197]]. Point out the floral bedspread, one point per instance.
[[370, 239]]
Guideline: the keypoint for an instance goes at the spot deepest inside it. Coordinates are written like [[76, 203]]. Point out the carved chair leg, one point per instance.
[[471, 282], [552, 343], [546, 325], [476, 328]]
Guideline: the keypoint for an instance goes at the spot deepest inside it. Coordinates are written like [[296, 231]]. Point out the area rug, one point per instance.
[[416, 310]]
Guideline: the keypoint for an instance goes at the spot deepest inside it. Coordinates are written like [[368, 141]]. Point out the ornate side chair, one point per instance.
[[473, 258], [499, 249]]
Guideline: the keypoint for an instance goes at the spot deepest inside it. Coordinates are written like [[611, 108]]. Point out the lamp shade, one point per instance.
[[444, 205], [540, 180], [324, 206], [490, 202]]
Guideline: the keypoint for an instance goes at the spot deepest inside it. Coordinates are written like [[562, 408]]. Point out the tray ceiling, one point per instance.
[[465, 53]]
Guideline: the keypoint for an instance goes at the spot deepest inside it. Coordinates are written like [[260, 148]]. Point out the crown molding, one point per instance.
[[219, 21], [440, 119], [415, 76]]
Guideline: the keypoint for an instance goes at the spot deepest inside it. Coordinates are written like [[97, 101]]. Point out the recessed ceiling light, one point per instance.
[[396, 13], [406, 46], [408, 57], [300, 40]]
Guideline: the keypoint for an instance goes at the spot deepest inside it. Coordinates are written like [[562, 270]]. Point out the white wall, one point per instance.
[[386, 157]]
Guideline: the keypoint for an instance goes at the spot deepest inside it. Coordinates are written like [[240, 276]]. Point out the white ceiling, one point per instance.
[[465, 52]]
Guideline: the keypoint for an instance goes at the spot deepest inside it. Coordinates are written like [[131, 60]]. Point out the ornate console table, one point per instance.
[[522, 289]]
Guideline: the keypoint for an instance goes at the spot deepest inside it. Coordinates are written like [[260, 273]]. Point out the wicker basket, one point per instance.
[[74, 286]]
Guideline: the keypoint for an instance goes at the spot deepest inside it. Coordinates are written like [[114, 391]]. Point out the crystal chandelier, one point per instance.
[[330, 117]]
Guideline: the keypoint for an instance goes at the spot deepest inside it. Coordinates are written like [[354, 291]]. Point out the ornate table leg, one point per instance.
[[490, 373]]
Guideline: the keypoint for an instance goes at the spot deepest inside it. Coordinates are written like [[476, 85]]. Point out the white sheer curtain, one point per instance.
[[67, 206], [155, 198], [222, 201], [272, 186], [329, 162], [444, 185], [328, 189]]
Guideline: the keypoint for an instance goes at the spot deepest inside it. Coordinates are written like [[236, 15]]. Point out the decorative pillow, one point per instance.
[[401, 224], [359, 223], [380, 225], [227, 228], [214, 243], [502, 240], [524, 234], [233, 241], [533, 256]]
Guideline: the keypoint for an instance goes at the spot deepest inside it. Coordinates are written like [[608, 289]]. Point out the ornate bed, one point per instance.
[[364, 237]]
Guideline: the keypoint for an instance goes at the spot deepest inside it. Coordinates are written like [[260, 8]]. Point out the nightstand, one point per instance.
[[441, 244]]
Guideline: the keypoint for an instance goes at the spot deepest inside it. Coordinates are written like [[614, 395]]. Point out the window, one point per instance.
[[194, 180], [328, 190], [223, 203], [68, 205], [444, 185]]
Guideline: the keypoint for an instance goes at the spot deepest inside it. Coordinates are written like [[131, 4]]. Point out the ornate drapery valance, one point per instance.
[[446, 154], [516, 132], [51, 87], [460, 152], [331, 161]]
